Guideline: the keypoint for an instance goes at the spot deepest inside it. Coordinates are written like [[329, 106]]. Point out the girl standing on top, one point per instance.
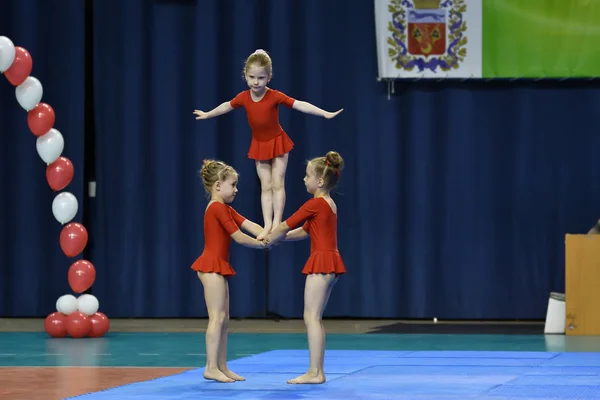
[[270, 145], [221, 224], [325, 265]]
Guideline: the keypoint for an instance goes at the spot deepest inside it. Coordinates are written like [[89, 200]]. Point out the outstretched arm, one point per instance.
[[308, 108], [278, 234], [251, 227], [296, 234], [224, 108], [241, 238]]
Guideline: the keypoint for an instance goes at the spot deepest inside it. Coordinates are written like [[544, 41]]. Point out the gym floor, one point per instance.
[[148, 359]]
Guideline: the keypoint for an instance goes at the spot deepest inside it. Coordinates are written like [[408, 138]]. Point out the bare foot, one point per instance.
[[275, 225], [264, 233], [233, 375], [308, 378], [216, 375]]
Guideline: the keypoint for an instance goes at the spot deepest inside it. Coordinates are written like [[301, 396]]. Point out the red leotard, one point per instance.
[[220, 221], [268, 137], [321, 225]]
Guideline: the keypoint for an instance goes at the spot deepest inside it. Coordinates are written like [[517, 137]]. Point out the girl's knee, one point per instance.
[[220, 317], [266, 184], [277, 183], [311, 317]]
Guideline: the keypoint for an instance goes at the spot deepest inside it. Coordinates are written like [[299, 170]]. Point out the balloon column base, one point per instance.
[[77, 318], [76, 325]]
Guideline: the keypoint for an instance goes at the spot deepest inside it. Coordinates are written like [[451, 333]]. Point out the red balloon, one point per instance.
[[81, 276], [60, 173], [20, 68], [100, 325], [41, 119], [55, 325], [73, 239], [78, 325]]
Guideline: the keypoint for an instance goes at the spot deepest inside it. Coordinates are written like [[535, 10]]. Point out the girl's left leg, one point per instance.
[[215, 294], [263, 169], [223, 349], [278, 170], [316, 295]]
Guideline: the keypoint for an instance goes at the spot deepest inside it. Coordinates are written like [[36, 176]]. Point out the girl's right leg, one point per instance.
[[278, 169], [263, 169], [215, 295], [223, 348], [316, 295]]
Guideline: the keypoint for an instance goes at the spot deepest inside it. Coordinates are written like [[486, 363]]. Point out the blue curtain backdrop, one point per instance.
[[33, 269], [454, 202]]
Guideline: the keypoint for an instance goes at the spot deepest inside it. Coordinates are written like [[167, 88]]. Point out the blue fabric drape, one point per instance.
[[453, 203], [33, 269]]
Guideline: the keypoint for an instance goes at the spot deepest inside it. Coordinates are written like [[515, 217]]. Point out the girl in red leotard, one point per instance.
[[270, 145], [325, 264], [221, 224]]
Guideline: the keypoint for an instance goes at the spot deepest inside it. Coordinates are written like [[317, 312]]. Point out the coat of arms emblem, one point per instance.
[[427, 34]]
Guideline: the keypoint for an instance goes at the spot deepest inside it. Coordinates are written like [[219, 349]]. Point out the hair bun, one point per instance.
[[262, 52], [334, 159]]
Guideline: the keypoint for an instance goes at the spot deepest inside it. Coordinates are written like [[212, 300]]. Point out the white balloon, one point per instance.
[[88, 304], [66, 304], [29, 93], [64, 207], [7, 53], [50, 146]]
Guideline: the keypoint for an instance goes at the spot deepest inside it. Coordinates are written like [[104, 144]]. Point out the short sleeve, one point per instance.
[[225, 218], [237, 218], [238, 101], [284, 99], [307, 211]]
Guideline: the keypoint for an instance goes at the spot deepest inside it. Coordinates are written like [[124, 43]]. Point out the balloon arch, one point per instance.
[[75, 317]]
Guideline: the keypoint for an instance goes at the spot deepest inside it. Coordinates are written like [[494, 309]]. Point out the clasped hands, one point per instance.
[[268, 242]]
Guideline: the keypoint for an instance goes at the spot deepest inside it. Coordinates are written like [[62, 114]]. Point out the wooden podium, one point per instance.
[[582, 284]]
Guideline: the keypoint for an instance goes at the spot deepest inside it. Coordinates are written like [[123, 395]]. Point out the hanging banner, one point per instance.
[[487, 39], [428, 38]]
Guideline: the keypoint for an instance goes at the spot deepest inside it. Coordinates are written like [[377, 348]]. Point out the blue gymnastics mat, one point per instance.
[[363, 374]]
